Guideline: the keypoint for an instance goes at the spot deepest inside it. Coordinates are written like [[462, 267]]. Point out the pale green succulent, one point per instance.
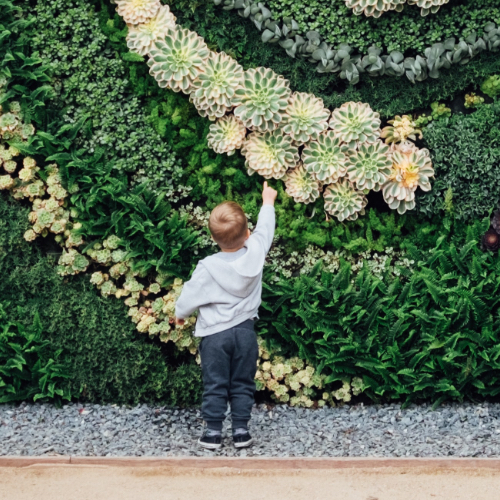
[[302, 186], [35, 189], [26, 131], [141, 37], [369, 166], [374, 8], [28, 162], [355, 123], [305, 117], [27, 174], [45, 218], [97, 278], [154, 288], [112, 242], [133, 285], [8, 122], [108, 288], [72, 262], [270, 154], [137, 11], [357, 386], [428, 6], [58, 226], [118, 270], [325, 157], [6, 153], [10, 166], [178, 60], [344, 201], [261, 99], [51, 204], [215, 88], [411, 169], [103, 256], [226, 135], [30, 235], [119, 255]]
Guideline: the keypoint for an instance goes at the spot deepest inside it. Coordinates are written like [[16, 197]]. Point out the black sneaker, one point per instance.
[[242, 440], [210, 441]]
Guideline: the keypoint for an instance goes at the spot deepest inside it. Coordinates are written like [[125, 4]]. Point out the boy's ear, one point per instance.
[[248, 234]]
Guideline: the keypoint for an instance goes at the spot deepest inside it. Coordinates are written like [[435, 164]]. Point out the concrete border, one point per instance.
[[292, 463]]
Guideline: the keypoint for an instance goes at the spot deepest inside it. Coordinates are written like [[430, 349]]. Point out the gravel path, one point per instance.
[[464, 430]]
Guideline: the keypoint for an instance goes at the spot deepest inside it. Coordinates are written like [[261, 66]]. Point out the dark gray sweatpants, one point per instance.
[[228, 365]]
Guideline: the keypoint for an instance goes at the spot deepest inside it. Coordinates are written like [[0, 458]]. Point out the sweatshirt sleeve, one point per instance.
[[264, 232], [192, 296]]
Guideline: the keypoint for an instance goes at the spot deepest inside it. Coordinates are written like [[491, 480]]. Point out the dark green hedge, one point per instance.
[[108, 359]]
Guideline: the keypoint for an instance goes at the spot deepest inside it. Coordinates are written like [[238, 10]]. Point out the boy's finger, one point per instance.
[[265, 184]]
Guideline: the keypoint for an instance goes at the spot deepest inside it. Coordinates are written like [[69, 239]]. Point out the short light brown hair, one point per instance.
[[228, 225]]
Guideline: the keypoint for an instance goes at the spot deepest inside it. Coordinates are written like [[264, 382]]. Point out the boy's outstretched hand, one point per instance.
[[268, 195]]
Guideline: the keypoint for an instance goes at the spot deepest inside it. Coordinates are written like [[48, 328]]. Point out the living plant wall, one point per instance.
[[123, 124]]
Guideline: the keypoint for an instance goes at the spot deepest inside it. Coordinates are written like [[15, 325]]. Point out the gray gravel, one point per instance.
[[464, 430]]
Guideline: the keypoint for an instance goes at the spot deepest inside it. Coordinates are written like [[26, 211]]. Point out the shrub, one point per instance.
[[465, 151]]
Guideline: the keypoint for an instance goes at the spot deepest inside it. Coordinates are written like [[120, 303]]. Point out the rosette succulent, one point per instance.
[[305, 117], [215, 87], [400, 129], [325, 158], [141, 37], [355, 122], [369, 166], [374, 8], [137, 11], [226, 135], [270, 154], [428, 6], [178, 60], [261, 99], [344, 201], [411, 168], [301, 185]]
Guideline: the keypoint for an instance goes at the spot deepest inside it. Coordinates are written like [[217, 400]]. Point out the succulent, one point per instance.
[[177, 60], [141, 37], [72, 262], [428, 6], [226, 135], [344, 201], [491, 86], [400, 129], [301, 185], [137, 11], [491, 240], [369, 166], [473, 101], [6, 182], [374, 8], [215, 88], [355, 122], [261, 99], [305, 117], [325, 158], [270, 154], [411, 168]]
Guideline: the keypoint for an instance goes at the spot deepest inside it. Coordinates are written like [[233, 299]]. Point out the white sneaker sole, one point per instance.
[[245, 444], [209, 446]]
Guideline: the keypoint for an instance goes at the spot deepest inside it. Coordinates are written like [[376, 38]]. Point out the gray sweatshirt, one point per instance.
[[226, 288]]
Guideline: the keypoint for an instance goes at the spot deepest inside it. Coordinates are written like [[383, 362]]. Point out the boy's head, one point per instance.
[[228, 225]]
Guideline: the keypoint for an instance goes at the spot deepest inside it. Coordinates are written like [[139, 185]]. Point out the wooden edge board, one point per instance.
[[295, 463]]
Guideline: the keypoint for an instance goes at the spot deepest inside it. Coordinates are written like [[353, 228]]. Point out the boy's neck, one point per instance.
[[231, 250]]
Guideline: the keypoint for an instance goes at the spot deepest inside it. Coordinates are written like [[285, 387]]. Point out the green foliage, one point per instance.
[[27, 372], [402, 31], [107, 359], [491, 86], [433, 333], [228, 32], [465, 151]]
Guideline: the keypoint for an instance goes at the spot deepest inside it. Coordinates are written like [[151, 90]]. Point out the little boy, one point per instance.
[[226, 290]]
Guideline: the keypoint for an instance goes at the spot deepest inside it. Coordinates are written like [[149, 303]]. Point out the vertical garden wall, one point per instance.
[[383, 279]]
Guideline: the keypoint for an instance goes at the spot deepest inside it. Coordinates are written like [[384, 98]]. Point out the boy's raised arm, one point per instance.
[[266, 223]]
